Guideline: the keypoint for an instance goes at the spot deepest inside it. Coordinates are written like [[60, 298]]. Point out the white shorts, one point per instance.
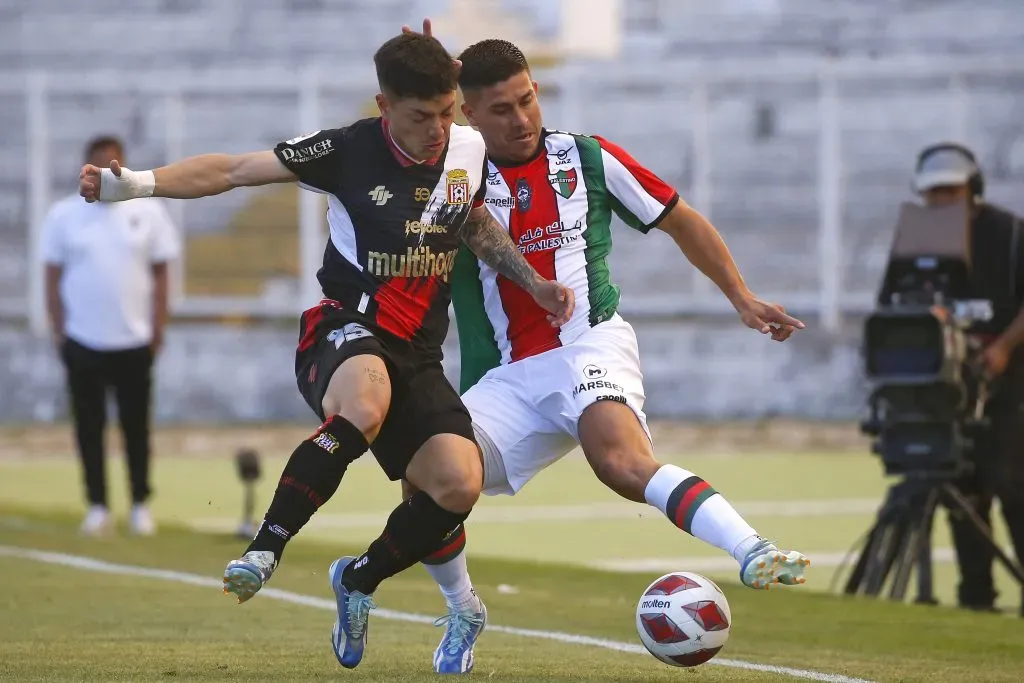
[[525, 414]]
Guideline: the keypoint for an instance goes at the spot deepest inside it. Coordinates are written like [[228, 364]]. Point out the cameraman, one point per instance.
[[947, 174]]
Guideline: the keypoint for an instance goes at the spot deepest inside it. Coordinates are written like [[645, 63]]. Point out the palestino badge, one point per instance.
[[564, 182], [457, 180], [524, 195]]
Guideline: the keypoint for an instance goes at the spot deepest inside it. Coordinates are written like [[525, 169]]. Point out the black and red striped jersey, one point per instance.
[[395, 226]]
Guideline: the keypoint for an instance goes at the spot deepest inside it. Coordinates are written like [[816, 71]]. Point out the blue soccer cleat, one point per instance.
[[454, 655], [349, 634], [244, 577], [765, 565]]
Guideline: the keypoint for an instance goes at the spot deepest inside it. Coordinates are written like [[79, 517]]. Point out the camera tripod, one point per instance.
[[901, 538]]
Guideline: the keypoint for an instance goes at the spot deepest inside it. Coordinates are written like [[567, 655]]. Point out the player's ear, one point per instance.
[[536, 88], [468, 113], [382, 104]]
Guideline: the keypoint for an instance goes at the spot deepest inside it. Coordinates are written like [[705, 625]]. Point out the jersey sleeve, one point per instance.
[[638, 196], [315, 158]]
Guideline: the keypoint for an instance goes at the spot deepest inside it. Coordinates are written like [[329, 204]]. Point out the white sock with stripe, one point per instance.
[[692, 505], [448, 568]]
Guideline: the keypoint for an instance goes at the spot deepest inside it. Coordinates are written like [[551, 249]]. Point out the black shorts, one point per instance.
[[423, 402]]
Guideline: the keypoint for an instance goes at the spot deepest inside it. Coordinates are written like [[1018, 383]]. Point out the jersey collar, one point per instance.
[[401, 156]]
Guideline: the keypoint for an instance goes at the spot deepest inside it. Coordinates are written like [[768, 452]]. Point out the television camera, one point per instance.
[[927, 396]]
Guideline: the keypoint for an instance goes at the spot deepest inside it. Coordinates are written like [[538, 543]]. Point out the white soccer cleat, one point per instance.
[[245, 576], [141, 522], [96, 522], [765, 565]]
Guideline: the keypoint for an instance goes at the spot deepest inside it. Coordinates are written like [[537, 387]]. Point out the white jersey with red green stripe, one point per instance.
[[557, 208]]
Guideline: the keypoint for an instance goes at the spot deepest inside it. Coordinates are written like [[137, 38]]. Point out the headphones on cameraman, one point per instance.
[[975, 182]]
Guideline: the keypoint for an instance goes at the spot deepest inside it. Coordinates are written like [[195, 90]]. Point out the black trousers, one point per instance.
[[91, 375], [999, 456]]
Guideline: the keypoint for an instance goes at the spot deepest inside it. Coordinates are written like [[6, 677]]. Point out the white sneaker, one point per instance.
[[765, 565], [141, 523], [245, 576], [96, 522]]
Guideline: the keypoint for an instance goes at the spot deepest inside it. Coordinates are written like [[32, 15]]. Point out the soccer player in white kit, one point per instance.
[[536, 392]]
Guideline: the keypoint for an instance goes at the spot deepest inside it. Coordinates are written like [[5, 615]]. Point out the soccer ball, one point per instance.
[[683, 619]]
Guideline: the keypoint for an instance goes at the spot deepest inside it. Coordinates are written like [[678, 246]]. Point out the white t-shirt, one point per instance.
[[107, 251]]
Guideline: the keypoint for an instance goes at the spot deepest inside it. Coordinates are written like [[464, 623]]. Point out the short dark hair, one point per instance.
[[415, 66], [490, 61], [102, 142]]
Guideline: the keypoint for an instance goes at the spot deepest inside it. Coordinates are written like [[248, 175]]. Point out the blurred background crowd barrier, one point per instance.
[[792, 124]]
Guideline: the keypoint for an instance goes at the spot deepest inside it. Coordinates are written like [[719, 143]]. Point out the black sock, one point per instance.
[[414, 530], [310, 478]]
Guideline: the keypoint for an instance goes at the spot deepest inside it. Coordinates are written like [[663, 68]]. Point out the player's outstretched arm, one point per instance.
[[492, 245], [199, 176], [704, 247]]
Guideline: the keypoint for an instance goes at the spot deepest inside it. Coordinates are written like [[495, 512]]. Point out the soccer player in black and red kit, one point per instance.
[[404, 191]]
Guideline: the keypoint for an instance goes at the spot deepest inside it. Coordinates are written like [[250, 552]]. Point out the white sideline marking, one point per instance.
[[723, 564], [101, 566], [506, 514]]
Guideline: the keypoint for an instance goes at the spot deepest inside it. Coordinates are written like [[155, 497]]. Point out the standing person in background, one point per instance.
[[106, 297]]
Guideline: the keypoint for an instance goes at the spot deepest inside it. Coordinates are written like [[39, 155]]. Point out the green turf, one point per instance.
[[205, 492], [63, 624], [130, 630], [191, 487]]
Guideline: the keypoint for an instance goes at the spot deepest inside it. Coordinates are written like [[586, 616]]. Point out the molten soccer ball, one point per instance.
[[683, 619]]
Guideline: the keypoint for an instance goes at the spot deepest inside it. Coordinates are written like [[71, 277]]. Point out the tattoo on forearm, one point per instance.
[[376, 376], [493, 246]]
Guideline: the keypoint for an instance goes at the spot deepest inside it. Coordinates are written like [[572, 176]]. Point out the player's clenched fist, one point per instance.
[[89, 180], [557, 299]]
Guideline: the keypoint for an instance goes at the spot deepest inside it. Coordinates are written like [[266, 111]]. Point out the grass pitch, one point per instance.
[[70, 624], [817, 503], [531, 557]]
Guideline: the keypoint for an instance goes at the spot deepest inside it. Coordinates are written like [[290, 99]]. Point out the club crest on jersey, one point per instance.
[[524, 195], [564, 182], [457, 181]]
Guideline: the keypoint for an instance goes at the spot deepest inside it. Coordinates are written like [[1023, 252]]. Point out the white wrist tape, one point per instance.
[[131, 185]]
